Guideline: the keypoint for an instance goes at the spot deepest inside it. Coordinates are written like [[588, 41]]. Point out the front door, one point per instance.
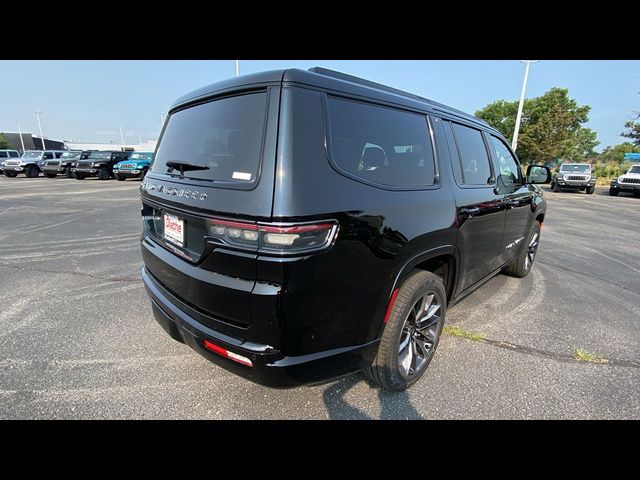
[[517, 199]]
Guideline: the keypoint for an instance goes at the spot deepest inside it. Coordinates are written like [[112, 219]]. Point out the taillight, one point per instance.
[[270, 238]]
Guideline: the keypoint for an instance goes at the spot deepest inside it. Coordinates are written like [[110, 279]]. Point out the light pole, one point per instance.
[[21, 140], [514, 142], [38, 112], [122, 138], [237, 68]]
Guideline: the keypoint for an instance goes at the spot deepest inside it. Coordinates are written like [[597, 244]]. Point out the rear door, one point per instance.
[[231, 139], [480, 210]]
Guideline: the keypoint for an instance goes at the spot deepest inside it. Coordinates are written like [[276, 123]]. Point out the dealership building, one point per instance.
[[32, 142]]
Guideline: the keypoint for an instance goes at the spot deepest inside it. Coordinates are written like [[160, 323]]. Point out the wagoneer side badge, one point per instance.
[[178, 192]]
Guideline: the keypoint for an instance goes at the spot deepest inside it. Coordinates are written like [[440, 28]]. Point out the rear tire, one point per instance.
[[31, 171], [613, 192], [590, 190], [521, 267], [103, 174], [411, 334]]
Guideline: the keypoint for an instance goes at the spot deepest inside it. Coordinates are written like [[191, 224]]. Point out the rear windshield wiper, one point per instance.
[[183, 166]]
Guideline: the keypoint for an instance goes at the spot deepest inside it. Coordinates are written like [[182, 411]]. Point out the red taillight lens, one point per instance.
[[281, 239], [226, 353]]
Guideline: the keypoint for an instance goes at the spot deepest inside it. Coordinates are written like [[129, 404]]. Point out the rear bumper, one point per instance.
[[270, 366]]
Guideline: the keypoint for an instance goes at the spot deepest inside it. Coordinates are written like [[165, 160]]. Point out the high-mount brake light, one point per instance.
[[270, 238]]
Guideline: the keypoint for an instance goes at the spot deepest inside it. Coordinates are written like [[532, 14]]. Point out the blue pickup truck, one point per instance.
[[135, 166]]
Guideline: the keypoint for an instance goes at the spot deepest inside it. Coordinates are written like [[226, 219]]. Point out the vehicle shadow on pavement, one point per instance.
[[393, 406]]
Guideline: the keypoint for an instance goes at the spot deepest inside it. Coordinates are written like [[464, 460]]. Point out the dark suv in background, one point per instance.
[[99, 164], [301, 225]]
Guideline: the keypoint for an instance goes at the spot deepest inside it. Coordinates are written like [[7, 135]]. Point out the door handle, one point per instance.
[[469, 212]]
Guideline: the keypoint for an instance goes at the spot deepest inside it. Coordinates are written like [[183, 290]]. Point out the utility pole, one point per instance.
[[161, 120], [21, 140], [40, 128], [514, 142], [121, 138], [237, 68]]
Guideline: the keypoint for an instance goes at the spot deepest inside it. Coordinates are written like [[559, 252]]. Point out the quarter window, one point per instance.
[[474, 160], [381, 145]]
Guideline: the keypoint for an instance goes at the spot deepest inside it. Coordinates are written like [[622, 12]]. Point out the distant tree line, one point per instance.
[[552, 132]]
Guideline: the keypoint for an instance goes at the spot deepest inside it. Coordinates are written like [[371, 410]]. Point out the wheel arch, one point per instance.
[[443, 261]]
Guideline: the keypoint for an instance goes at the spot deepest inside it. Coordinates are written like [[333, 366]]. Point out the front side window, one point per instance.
[[223, 138], [509, 175], [474, 159], [13, 154], [381, 145]]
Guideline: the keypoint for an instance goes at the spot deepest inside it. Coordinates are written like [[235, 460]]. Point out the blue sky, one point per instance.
[[89, 100]]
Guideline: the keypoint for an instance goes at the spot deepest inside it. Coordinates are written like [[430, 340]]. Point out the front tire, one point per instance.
[[613, 192], [50, 175], [556, 187], [80, 176], [69, 173], [411, 334], [31, 171], [120, 178], [521, 267], [11, 174], [590, 190]]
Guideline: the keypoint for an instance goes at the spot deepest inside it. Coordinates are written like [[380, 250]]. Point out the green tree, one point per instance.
[[551, 128], [633, 131], [616, 153], [4, 143]]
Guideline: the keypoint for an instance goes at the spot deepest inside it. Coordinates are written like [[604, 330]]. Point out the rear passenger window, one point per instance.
[[474, 159], [381, 145]]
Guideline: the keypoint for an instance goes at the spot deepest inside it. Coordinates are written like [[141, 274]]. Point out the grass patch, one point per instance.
[[584, 356], [460, 332]]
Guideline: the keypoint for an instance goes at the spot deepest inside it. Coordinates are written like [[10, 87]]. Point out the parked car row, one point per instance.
[[76, 163]]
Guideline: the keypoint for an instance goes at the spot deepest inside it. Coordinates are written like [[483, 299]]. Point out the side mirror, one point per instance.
[[593, 170], [538, 174]]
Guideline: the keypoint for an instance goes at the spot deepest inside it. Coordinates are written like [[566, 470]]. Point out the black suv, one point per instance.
[[302, 225], [99, 164]]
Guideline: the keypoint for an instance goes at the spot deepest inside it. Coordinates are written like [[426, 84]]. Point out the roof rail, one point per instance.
[[368, 83]]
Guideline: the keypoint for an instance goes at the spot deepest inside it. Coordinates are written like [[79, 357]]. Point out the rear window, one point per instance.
[[224, 135], [381, 145]]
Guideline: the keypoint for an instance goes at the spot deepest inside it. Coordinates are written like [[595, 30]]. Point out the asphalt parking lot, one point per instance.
[[78, 339]]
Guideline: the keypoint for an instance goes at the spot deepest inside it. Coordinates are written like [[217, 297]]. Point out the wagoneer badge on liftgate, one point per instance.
[[179, 192]]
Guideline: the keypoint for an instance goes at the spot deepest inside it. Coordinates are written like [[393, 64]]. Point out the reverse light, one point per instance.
[[270, 238], [226, 353]]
